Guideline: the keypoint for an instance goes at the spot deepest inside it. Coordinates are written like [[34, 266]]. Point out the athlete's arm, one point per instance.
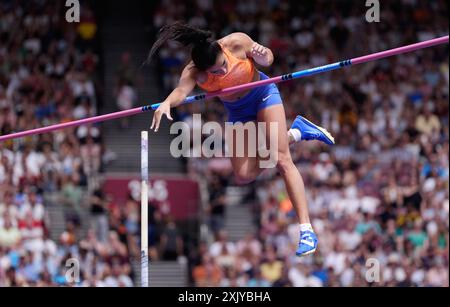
[[260, 54], [185, 86]]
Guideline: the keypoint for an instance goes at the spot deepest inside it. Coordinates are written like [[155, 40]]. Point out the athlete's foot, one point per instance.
[[304, 130], [308, 243]]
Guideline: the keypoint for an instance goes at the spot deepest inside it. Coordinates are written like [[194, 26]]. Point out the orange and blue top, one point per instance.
[[239, 72]]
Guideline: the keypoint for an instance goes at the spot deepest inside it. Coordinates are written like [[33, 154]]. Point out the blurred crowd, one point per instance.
[[380, 197], [48, 74]]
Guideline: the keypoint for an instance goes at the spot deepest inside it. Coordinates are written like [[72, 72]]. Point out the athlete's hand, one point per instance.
[[164, 109], [260, 54]]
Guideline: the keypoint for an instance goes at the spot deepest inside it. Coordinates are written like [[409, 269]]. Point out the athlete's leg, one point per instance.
[[292, 178], [291, 175], [245, 168]]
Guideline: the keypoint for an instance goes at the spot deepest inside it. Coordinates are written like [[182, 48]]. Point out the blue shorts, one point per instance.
[[247, 108]]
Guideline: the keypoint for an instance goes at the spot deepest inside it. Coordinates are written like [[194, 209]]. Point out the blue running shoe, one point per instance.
[[308, 243], [311, 131]]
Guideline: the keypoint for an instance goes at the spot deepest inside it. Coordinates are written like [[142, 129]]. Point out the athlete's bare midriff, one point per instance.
[[233, 45]]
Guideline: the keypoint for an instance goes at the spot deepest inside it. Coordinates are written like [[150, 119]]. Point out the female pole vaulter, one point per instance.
[[230, 61]]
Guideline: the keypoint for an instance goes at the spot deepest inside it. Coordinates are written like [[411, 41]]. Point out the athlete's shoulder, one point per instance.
[[236, 39], [240, 36], [191, 71], [237, 43]]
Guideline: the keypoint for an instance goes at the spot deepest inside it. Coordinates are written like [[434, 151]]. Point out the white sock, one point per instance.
[[306, 227], [296, 134]]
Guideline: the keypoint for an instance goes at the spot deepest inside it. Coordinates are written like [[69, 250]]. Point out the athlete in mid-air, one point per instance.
[[230, 61]]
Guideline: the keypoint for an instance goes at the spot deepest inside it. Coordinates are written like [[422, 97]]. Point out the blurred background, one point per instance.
[[381, 193]]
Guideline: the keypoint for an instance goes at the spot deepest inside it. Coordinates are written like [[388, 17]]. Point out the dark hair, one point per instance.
[[204, 50]]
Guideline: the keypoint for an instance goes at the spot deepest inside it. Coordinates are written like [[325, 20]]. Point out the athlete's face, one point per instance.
[[220, 67]]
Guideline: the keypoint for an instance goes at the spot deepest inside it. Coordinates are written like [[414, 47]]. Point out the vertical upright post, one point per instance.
[[144, 209]]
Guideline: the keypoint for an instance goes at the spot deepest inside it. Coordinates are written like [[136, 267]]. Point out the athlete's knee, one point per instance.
[[243, 177], [284, 163]]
